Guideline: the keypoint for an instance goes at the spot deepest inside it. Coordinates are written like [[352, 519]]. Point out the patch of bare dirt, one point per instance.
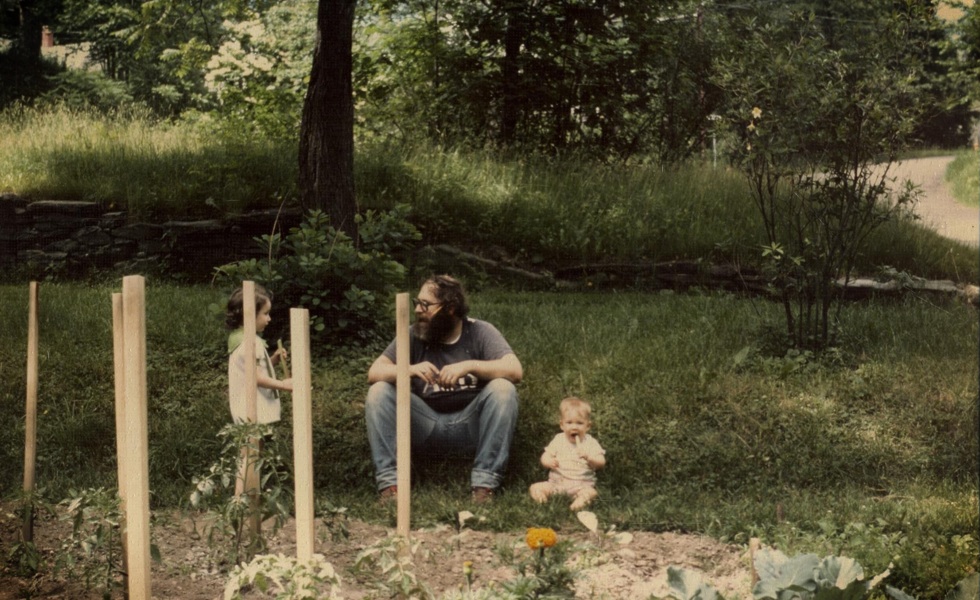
[[608, 569], [937, 207]]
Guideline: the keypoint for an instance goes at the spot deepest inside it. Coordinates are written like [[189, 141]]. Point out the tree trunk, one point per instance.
[[326, 147], [29, 35], [510, 108]]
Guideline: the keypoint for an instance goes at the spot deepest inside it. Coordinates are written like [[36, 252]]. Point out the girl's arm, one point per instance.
[[549, 460], [270, 383]]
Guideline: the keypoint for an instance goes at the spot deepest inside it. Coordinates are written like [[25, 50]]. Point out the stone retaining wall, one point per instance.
[[79, 237]]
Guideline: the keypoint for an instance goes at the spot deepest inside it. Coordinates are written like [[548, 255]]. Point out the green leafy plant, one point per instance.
[[543, 572], [347, 287], [388, 566], [689, 585], [335, 519], [93, 552], [23, 556], [284, 578], [220, 491]]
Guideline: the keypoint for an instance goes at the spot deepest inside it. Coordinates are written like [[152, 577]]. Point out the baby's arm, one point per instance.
[[596, 459], [549, 460], [596, 462]]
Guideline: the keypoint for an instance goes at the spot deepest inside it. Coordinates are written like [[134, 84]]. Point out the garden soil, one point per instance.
[[608, 569]]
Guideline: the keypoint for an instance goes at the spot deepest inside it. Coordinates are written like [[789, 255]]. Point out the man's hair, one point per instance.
[[235, 313], [450, 293], [575, 405]]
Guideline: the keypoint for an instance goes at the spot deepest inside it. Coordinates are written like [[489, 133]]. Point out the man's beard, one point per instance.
[[437, 329]]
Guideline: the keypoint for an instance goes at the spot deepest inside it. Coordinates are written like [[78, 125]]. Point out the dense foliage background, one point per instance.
[[622, 80]]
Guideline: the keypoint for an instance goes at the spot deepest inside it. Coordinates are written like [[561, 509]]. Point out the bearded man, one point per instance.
[[462, 373]]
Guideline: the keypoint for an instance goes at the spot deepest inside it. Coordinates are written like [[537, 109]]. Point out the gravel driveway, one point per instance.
[[937, 207]]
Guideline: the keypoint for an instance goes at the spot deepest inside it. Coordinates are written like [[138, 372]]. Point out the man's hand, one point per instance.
[[425, 371], [450, 375]]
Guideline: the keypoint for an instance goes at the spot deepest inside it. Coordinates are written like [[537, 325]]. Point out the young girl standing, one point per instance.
[[267, 400]]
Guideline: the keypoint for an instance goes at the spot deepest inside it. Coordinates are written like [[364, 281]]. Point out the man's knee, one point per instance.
[[503, 394], [379, 398]]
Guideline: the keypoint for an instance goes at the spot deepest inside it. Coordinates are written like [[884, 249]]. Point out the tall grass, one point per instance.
[[566, 211], [543, 213], [131, 162]]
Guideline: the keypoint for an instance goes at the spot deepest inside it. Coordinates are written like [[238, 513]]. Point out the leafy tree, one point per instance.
[[968, 29], [941, 77], [608, 78], [816, 129]]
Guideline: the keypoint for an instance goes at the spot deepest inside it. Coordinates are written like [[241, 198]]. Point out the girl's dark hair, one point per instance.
[[235, 314], [450, 293]]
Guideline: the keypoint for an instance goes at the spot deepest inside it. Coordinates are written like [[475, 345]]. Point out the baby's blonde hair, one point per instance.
[[573, 404]]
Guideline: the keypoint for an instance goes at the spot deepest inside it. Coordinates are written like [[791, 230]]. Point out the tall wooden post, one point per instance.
[[299, 329], [136, 455], [251, 475], [119, 376], [30, 433], [403, 415]]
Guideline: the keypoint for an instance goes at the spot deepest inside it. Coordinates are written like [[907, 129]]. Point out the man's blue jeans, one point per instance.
[[484, 428]]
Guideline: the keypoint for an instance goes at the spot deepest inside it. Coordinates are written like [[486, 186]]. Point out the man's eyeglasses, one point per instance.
[[425, 306]]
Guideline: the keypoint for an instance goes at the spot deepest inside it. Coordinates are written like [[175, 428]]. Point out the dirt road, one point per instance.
[[937, 207]]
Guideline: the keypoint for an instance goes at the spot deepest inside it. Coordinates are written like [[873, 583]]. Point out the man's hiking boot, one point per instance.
[[388, 495], [482, 495]]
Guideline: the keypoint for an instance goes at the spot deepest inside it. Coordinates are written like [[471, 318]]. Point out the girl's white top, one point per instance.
[[268, 408]]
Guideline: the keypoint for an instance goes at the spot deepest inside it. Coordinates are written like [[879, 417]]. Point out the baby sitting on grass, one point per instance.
[[573, 457]]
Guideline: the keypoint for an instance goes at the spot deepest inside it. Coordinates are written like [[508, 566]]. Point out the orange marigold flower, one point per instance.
[[541, 537]]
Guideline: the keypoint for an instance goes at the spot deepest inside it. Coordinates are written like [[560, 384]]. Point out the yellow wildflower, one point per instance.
[[751, 127], [756, 112], [541, 537]]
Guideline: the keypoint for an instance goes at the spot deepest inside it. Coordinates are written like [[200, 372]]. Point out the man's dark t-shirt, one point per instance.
[[478, 341]]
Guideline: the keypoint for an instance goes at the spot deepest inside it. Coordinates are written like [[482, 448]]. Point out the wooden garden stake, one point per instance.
[[136, 456], [250, 456], [119, 376], [299, 323], [30, 433], [403, 417], [753, 548]]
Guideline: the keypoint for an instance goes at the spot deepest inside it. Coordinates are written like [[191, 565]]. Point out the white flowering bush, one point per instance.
[[284, 578], [258, 75]]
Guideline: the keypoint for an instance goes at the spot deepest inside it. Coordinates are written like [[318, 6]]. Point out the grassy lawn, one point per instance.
[[870, 452], [964, 177]]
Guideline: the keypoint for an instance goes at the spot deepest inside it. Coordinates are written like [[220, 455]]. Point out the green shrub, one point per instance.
[[75, 89], [347, 288]]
